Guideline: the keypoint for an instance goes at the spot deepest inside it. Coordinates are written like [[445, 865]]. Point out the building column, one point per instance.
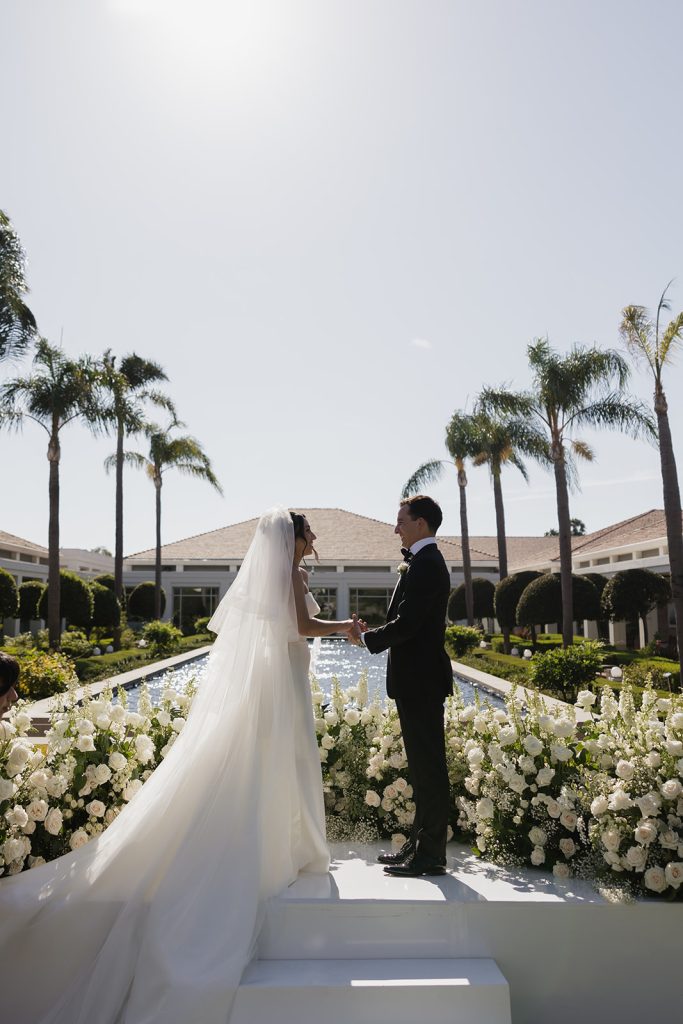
[[617, 634], [590, 629], [343, 611]]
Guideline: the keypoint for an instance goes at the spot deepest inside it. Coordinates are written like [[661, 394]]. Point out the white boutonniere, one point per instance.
[[403, 567]]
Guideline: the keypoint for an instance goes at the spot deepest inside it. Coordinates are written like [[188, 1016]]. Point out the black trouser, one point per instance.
[[422, 725]]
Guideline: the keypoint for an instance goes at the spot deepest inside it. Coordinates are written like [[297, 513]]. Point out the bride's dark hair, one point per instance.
[[299, 522]]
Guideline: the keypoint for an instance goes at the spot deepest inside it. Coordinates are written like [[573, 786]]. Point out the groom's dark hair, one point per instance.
[[420, 506]]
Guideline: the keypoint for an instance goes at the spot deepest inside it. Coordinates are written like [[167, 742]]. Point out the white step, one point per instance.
[[447, 991]]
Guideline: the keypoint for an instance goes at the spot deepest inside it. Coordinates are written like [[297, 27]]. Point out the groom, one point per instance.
[[419, 678]]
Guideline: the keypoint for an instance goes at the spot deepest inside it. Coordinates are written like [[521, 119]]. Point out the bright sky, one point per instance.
[[333, 222]]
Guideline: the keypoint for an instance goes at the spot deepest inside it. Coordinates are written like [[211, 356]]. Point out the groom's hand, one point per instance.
[[356, 630]]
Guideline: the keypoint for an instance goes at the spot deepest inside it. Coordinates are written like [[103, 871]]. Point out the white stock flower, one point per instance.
[[646, 831], [13, 849], [163, 718], [676, 720], [500, 716], [78, 839], [532, 745], [467, 714], [674, 873], [134, 720], [561, 753], [561, 870], [527, 764], [546, 723], [53, 821], [585, 699], [564, 728], [655, 879]]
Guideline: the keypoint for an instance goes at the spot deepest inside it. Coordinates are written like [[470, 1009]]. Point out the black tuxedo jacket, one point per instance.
[[418, 665]]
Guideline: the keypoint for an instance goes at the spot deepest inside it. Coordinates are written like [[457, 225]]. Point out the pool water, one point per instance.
[[330, 659]]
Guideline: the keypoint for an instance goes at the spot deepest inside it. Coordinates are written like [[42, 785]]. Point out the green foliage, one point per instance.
[[482, 592], [632, 593], [541, 600], [30, 593], [9, 596], [598, 580], [503, 666], [75, 644], [564, 671], [75, 599], [163, 638], [460, 639], [141, 602], [201, 623], [662, 677], [43, 674], [106, 606], [507, 594], [17, 323], [106, 579]]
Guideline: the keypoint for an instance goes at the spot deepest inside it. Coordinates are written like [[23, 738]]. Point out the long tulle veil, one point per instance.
[[155, 919]]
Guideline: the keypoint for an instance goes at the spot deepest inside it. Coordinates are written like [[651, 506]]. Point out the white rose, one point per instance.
[[517, 783], [133, 787], [6, 789], [674, 747], [655, 879], [560, 753], [16, 817], [327, 742], [391, 792], [546, 723], [561, 870], [649, 804], [485, 807], [467, 714], [102, 774], [668, 839], [676, 720], [507, 736], [564, 728], [481, 844], [545, 776], [78, 839], [636, 858], [620, 800], [646, 831], [144, 749], [500, 716], [103, 721], [674, 873], [37, 810], [569, 820], [475, 756], [84, 727], [331, 717], [625, 770], [664, 704], [29, 828], [585, 699], [13, 849], [85, 743], [134, 720], [401, 785], [178, 723], [18, 758], [117, 761], [553, 808], [653, 759], [599, 805], [537, 836], [96, 808], [537, 856], [372, 798], [352, 716], [532, 745], [568, 847], [671, 789], [527, 764], [163, 718], [611, 839], [54, 821]]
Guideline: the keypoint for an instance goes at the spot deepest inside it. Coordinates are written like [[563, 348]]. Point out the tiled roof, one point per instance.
[[9, 540], [342, 537]]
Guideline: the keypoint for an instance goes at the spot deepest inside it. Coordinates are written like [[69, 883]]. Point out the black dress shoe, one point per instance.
[[415, 867], [404, 854]]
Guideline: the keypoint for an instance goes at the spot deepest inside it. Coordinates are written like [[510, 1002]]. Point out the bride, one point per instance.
[[154, 920]]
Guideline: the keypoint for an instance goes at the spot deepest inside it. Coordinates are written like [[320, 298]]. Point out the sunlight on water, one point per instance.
[[332, 659]]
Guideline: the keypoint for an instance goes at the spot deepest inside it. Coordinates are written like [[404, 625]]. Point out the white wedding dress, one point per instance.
[[154, 921]]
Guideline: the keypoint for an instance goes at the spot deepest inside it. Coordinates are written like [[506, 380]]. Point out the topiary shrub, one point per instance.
[[75, 599], [106, 579], [43, 674], [482, 592], [141, 602], [564, 671], [597, 579], [163, 638], [507, 594], [30, 593], [106, 607], [9, 598], [460, 639], [632, 593], [541, 600]]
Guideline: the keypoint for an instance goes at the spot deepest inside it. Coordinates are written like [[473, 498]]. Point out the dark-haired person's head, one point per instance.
[[418, 517], [303, 536], [9, 676]]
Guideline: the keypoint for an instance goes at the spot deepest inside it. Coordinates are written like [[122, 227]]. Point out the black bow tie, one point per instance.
[[407, 554]]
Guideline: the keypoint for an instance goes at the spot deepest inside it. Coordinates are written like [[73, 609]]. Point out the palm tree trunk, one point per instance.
[[157, 563], [564, 526], [54, 620], [502, 542], [118, 540], [465, 542], [672, 513]]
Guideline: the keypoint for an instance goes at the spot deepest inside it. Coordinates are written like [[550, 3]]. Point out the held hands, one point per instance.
[[356, 630]]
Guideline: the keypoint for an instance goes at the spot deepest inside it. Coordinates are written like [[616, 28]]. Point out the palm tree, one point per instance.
[[17, 323], [585, 388], [168, 452], [501, 442], [646, 339], [58, 392], [128, 387], [462, 436]]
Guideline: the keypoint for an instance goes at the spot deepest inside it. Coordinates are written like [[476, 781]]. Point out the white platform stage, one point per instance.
[[480, 945]]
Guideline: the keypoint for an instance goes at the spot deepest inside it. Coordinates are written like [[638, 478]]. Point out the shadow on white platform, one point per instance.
[[464, 947]]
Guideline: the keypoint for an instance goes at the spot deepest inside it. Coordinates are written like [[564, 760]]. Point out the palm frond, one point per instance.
[[671, 337], [427, 473], [583, 450], [618, 412], [637, 332]]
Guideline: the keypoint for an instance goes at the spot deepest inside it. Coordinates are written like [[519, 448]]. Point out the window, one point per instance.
[[190, 603], [584, 565], [369, 568], [601, 561], [624, 558], [327, 599], [650, 553], [200, 567], [370, 603], [150, 568]]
